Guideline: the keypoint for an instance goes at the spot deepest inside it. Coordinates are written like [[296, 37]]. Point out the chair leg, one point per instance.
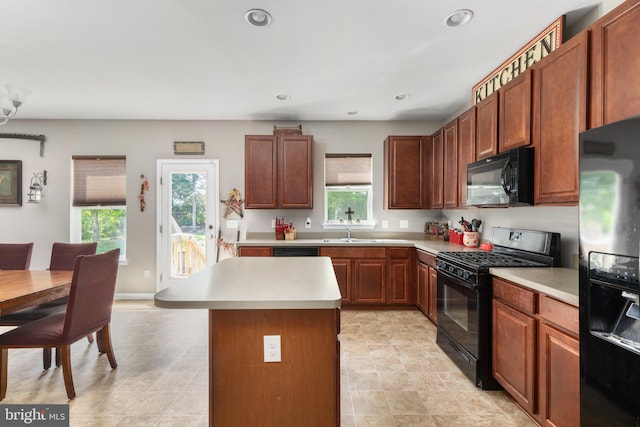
[[4, 355], [57, 357], [99, 341], [46, 358], [66, 371], [90, 337], [105, 336]]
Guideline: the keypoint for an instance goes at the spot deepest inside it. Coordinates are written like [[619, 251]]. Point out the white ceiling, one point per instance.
[[199, 59]]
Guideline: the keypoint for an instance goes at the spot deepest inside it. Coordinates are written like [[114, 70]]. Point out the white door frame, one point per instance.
[[214, 215]]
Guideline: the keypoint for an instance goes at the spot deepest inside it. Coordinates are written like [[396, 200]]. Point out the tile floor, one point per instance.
[[392, 374]]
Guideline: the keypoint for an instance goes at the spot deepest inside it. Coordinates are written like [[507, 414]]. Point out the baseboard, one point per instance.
[[134, 296]]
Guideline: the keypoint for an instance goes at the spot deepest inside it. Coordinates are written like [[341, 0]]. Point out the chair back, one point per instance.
[[63, 255], [91, 295], [15, 256]]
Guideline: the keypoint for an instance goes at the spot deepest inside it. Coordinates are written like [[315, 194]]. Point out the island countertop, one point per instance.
[[249, 283]]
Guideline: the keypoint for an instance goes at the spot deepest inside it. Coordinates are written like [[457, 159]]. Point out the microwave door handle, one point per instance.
[[506, 186]]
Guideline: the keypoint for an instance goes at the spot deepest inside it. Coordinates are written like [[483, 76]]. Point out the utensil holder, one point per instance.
[[471, 239]]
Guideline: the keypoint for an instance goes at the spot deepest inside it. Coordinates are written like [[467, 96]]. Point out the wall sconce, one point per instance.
[[36, 187], [11, 102]]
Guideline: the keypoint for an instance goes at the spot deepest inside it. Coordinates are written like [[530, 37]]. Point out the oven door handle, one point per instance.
[[459, 281]]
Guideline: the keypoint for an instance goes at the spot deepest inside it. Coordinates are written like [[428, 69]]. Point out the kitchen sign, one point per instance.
[[540, 46]]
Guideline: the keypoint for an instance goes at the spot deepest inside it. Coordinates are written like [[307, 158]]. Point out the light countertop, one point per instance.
[[559, 283], [248, 283]]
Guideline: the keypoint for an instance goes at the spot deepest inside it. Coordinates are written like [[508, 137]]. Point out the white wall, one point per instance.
[[143, 142]]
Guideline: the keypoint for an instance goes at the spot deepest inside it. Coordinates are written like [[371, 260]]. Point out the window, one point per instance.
[[347, 189], [99, 212]]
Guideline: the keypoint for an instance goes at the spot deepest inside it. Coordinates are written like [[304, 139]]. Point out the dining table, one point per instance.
[[25, 288]]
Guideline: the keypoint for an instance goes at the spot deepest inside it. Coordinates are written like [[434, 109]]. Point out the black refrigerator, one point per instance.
[[609, 249]]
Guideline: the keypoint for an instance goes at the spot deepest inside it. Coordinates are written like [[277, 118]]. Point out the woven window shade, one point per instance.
[[347, 169], [99, 181]]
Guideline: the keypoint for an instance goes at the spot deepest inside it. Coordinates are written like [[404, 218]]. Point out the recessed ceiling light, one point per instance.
[[402, 97], [458, 18], [258, 17], [283, 97]]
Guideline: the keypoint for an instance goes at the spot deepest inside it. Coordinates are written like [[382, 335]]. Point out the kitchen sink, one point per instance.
[[356, 240]]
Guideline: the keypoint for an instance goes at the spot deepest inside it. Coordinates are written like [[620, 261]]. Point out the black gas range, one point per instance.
[[464, 294]]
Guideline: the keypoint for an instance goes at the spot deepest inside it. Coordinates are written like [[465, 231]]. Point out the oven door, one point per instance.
[[458, 312]]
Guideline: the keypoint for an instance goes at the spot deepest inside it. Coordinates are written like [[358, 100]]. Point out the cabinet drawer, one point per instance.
[[254, 251], [560, 313], [426, 258], [399, 252], [353, 252], [517, 297]]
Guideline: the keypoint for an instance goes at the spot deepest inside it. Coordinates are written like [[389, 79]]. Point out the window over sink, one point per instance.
[[348, 191]]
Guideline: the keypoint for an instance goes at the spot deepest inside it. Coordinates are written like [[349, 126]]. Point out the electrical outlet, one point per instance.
[[272, 352], [385, 223], [147, 274], [273, 223], [232, 223], [404, 223]]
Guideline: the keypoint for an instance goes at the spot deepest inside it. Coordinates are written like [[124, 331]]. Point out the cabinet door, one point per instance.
[[260, 172], [615, 59], [405, 166], [466, 150], [369, 283], [437, 171], [432, 312], [487, 126], [450, 164], [342, 268], [399, 289], [559, 378], [295, 171], [515, 113], [514, 337], [560, 114], [423, 283]]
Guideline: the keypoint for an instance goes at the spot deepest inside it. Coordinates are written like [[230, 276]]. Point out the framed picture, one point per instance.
[[10, 182]]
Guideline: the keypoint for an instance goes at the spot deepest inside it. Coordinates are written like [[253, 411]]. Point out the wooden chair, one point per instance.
[[15, 256], [63, 256], [88, 310]]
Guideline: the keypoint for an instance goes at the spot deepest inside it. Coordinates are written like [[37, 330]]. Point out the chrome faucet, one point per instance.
[[348, 233]]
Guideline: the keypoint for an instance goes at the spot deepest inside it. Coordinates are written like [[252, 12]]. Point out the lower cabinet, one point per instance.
[[536, 354], [254, 251], [373, 275], [426, 298]]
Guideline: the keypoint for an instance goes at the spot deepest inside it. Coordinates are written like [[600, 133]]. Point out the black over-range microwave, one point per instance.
[[505, 179]]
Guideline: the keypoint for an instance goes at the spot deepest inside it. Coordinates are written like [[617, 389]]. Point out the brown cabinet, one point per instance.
[[614, 59], [374, 275], [450, 165], [278, 171], [405, 172], [466, 150], [426, 298], [559, 115], [436, 164], [254, 251], [400, 281], [487, 126], [515, 113], [536, 354]]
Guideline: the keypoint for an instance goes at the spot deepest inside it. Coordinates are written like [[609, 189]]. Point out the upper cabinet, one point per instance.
[[466, 150], [487, 126], [559, 115], [436, 165], [615, 80], [450, 165], [405, 172], [515, 113], [278, 171]]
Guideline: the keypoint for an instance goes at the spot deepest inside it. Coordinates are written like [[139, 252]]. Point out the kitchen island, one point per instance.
[[294, 299]]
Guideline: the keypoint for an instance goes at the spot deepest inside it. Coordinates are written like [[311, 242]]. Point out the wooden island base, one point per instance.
[[301, 390]]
